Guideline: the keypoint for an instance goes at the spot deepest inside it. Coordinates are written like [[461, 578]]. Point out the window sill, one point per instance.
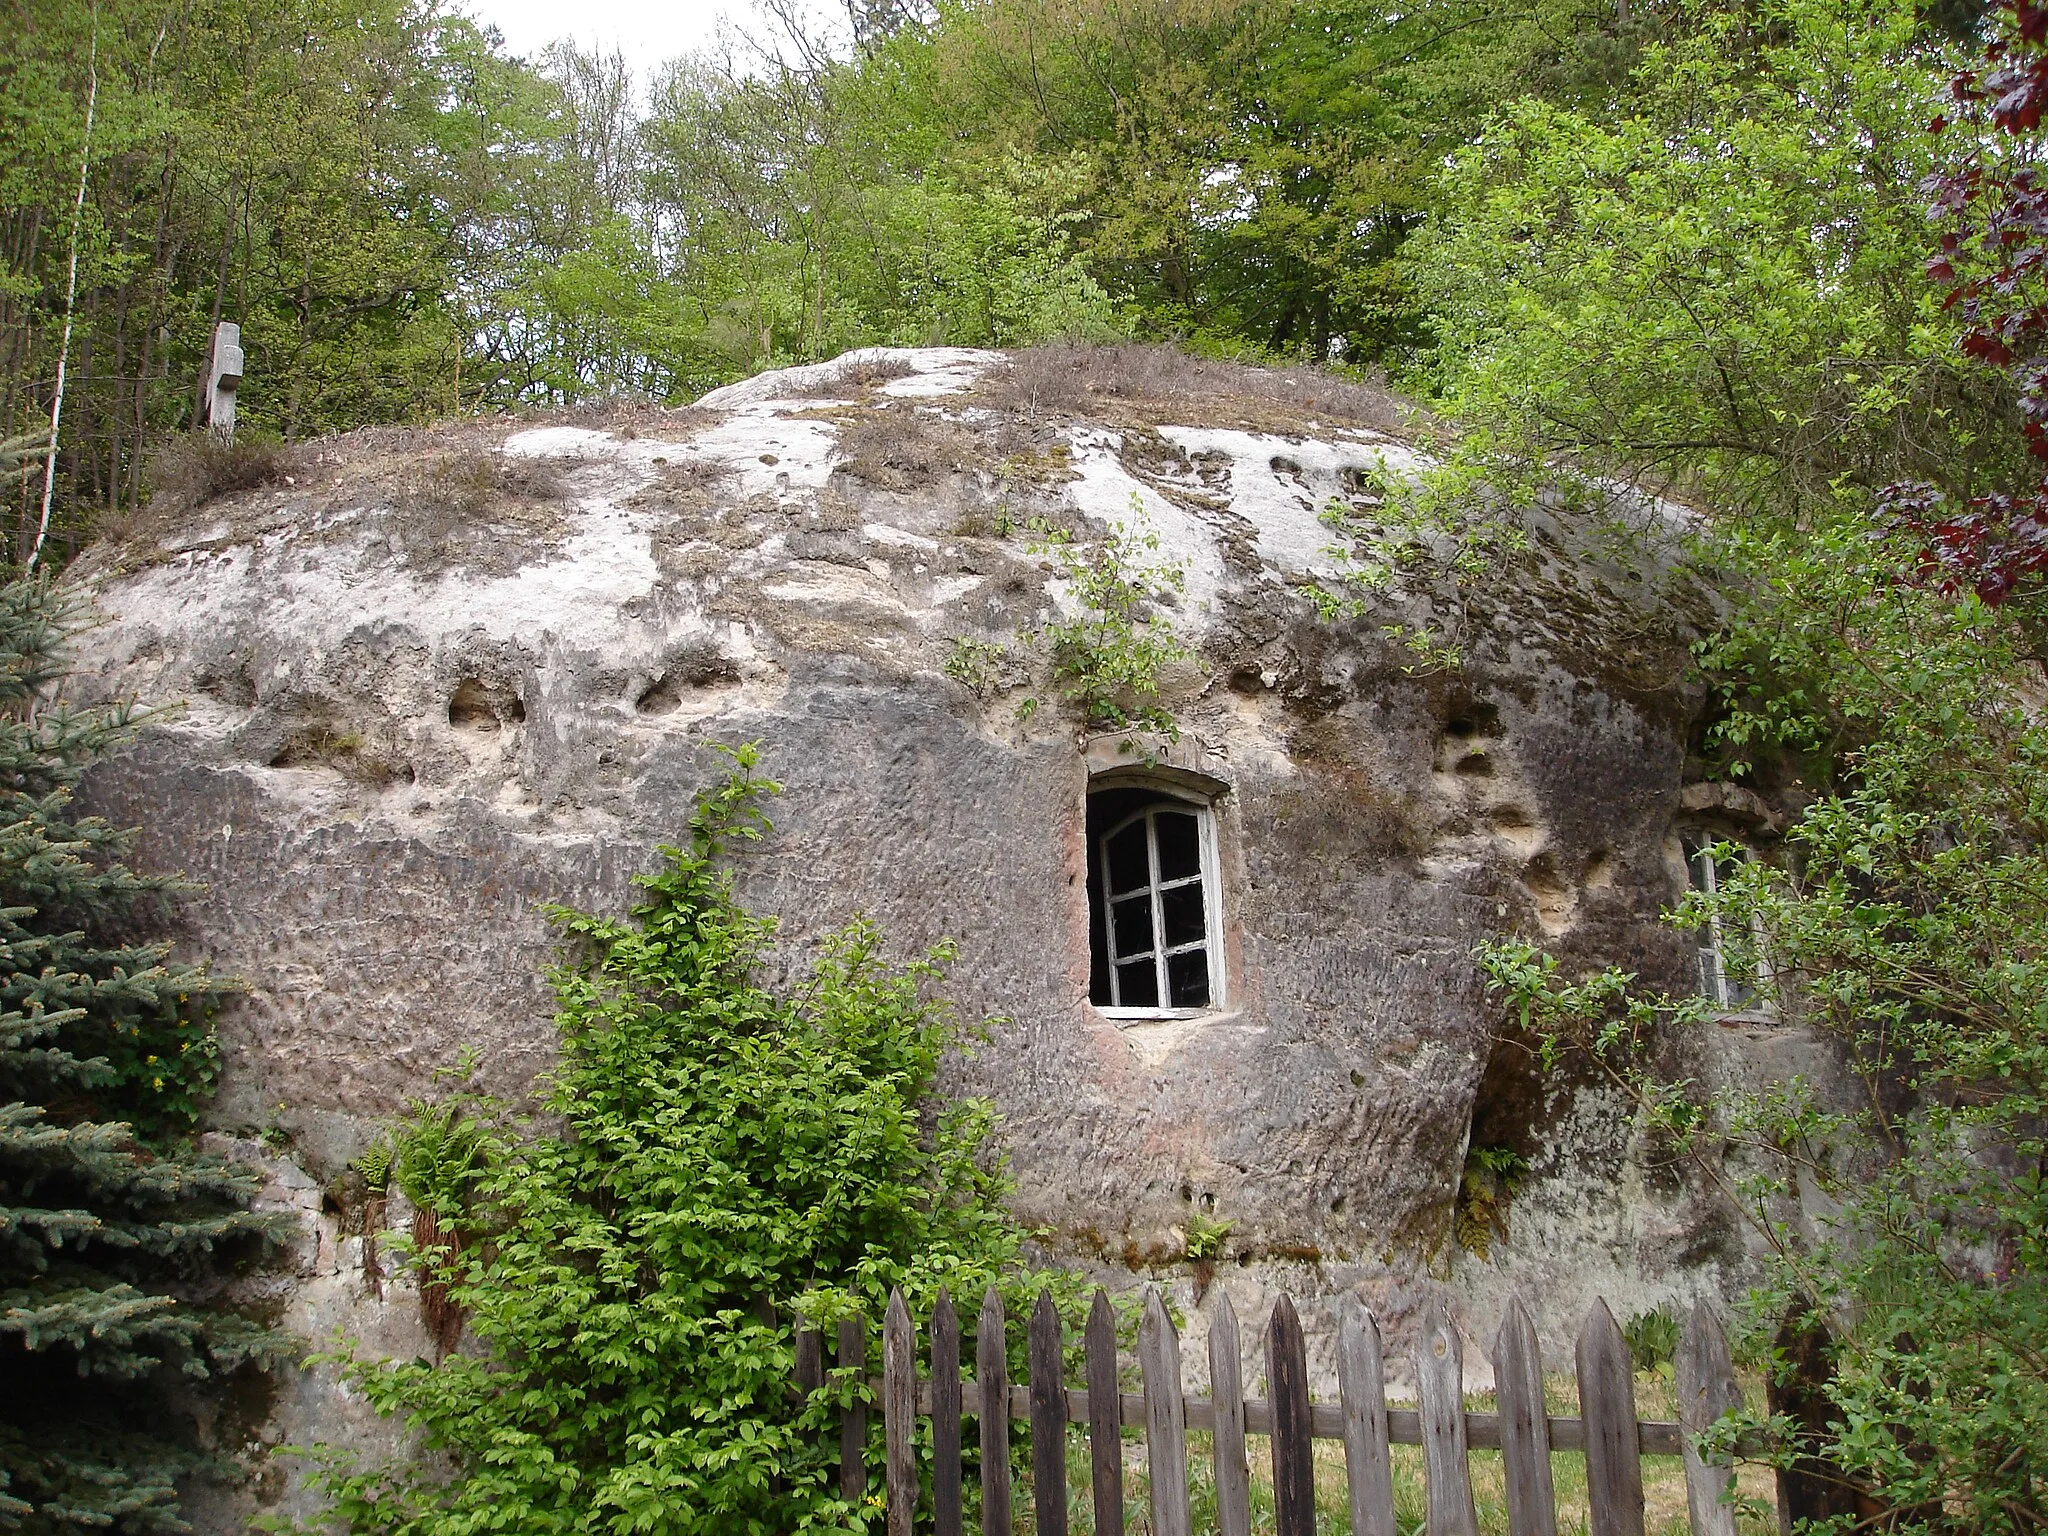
[[1741, 1018], [1126, 1016]]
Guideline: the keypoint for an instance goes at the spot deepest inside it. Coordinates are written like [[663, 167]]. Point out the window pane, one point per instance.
[[1133, 922], [1137, 985], [1179, 845], [1187, 977], [1129, 870], [1181, 909]]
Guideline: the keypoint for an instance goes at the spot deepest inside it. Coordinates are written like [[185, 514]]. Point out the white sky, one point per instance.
[[648, 32]]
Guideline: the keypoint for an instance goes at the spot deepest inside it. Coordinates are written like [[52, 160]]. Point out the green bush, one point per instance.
[[1109, 657], [717, 1158]]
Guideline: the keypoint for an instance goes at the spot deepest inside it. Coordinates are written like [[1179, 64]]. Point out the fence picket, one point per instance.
[[1607, 1429], [899, 1414], [1166, 1445], [853, 1423], [1440, 1384], [810, 1362], [1706, 1390], [1362, 1392], [1048, 1417], [1105, 1426], [1607, 1404], [1524, 1425], [992, 1411], [1226, 1389], [945, 1417], [1294, 1472]]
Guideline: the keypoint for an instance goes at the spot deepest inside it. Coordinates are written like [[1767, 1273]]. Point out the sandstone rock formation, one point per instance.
[[434, 679]]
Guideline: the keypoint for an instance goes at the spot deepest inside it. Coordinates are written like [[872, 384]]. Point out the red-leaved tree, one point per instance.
[[1992, 209]]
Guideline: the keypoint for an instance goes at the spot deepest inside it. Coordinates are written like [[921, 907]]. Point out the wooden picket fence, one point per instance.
[[1607, 1430]]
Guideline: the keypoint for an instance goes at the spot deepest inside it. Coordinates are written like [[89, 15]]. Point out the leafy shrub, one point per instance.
[[717, 1158], [1206, 1237], [1109, 657], [1487, 1185], [1652, 1339], [978, 665]]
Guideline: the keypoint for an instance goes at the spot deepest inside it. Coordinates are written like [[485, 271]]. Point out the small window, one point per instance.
[[1733, 965], [1152, 904]]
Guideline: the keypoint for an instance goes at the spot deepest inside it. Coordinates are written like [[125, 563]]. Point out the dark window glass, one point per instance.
[[1138, 984], [1147, 895], [1129, 868], [1180, 847], [1188, 977], [1181, 910], [1133, 920]]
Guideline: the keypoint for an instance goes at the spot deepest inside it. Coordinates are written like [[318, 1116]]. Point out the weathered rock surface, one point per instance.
[[448, 676]]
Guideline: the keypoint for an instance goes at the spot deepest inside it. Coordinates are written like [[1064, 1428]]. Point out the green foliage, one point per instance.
[[1206, 1237], [108, 1222], [1716, 293], [375, 1166], [409, 224], [1652, 1339], [1107, 658], [978, 665], [716, 1159], [439, 1151], [1486, 1187], [1252, 168]]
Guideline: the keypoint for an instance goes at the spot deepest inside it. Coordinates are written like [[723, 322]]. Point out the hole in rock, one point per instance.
[[1599, 870], [660, 697], [1554, 898], [664, 696], [1476, 765], [1471, 717], [470, 708]]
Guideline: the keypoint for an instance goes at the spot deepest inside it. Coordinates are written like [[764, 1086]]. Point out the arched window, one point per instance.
[[1734, 964], [1153, 902]]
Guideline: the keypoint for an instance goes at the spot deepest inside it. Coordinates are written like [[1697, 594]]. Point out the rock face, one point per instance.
[[433, 680]]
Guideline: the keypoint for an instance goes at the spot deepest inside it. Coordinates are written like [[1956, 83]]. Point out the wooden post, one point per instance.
[[853, 1423], [1105, 1422], [1440, 1383], [1166, 1442], [223, 377], [1706, 1390], [945, 1417], [1525, 1427], [992, 1377], [899, 1414], [1048, 1417], [1362, 1392], [810, 1362], [1607, 1404], [1226, 1388], [1294, 1468]]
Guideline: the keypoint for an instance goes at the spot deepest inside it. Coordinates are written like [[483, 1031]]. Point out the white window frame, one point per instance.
[[1211, 941], [1703, 874]]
